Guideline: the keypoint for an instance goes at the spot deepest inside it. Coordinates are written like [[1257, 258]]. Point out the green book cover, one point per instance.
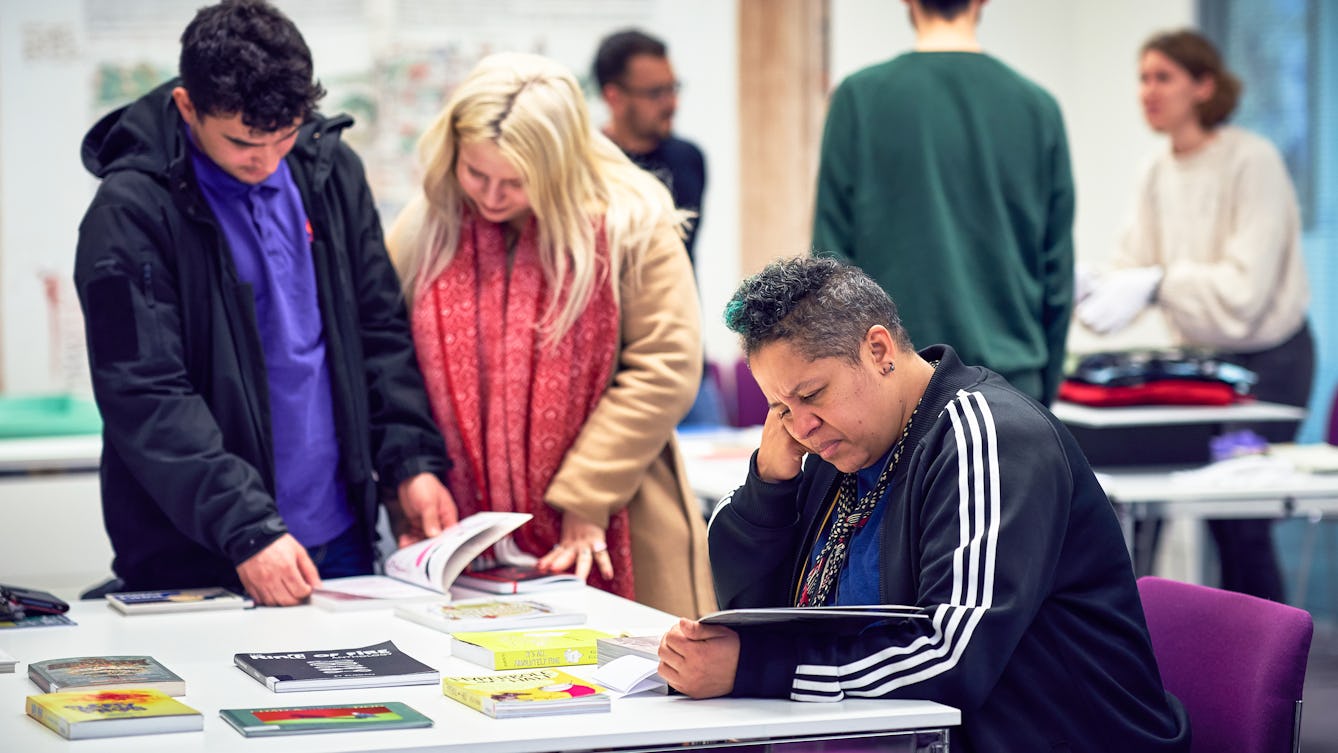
[[301, 720], [528, 649]]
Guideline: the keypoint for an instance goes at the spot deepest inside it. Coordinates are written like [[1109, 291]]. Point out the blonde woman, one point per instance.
[[556, 322]]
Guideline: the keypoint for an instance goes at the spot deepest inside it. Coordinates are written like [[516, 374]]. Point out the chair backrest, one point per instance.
[[750, 404], [1332, 433], [1236, 662]]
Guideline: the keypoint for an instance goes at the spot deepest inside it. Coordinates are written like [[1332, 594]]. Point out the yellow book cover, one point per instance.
[[536, 692], [528, 649], [112, 713]]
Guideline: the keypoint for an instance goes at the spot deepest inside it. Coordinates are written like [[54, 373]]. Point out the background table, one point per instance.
[[1161, 434], [199, 646], [1074, 414], [717, 460], [72, 454], [1148, 493]]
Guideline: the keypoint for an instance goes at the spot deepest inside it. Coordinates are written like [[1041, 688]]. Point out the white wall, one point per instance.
[[47, 66], [43, 187], [1085, 54], [703, 44]]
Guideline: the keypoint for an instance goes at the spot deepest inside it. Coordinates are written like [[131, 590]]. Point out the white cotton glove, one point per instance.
[[1084, 282], [1118, 297]]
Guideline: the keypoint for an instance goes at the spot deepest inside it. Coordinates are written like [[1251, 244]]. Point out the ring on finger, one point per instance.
[[599, 547]]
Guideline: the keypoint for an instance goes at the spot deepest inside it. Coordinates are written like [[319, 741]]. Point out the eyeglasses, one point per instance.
[[655, 93]]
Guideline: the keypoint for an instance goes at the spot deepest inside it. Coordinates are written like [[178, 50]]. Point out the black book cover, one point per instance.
[[370, 666]]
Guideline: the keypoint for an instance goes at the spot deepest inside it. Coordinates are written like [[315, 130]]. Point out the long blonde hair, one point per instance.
[[532, 108]]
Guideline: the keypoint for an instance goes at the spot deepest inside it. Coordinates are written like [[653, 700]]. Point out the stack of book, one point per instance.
[[645, 646], [7, 663], [629, 663]]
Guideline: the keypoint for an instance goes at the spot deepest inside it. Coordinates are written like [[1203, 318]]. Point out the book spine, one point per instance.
[[52, 721], [471, 700], [543, 657], [40, 679], [491, 586], [260, 676]]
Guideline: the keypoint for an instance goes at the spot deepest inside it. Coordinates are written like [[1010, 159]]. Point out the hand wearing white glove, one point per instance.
[[1085, 280], [1118, 297]]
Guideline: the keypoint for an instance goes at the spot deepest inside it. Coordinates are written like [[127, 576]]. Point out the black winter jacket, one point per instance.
[[176, 360], [996, 526]]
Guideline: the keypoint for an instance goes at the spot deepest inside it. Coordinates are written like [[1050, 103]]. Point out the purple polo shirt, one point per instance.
[[267, 230]]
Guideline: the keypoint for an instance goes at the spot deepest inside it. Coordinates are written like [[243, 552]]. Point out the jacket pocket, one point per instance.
[[113, 320]]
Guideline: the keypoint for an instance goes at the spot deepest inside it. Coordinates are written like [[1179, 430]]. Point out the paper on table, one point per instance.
[[630, 674], [1244, 472], [378, 587]]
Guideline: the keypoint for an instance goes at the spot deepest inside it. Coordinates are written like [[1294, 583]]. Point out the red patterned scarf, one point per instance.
[[509, 405]]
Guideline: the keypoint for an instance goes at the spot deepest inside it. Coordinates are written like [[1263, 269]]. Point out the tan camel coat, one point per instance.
[[626, 455]]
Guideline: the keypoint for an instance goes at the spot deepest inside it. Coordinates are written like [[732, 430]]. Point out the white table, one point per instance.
[[1149, 493], [77, 453], [46, 479], [717, 460], [199, 647]]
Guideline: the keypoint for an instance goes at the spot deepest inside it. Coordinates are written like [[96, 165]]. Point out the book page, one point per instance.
[[434, 563]]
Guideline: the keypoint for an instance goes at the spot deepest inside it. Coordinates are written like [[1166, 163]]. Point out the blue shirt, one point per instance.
[[858, 582], [267, 230]]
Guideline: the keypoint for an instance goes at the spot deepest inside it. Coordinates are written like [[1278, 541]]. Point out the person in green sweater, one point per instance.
[[945, 176]]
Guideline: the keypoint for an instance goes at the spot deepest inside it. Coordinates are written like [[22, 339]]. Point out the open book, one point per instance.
[[425, 569]]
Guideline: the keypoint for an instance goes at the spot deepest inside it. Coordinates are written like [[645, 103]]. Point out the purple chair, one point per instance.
[[1236, 662], [750, 404], [1332, 433]]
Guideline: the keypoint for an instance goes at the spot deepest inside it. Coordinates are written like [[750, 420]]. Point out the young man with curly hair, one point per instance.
[[248, 344]]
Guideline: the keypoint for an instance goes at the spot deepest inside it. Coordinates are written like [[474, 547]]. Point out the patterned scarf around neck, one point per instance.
[[509, 404]]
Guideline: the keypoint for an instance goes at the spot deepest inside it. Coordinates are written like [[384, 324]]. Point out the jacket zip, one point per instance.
[[146, 281]]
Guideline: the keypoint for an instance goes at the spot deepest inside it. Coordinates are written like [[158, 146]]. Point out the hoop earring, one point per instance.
[[889, 368]]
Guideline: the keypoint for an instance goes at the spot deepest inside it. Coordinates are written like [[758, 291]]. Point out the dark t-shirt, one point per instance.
[[680, 166]]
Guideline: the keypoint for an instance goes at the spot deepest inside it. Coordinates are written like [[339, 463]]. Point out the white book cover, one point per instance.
[[177, 600], [486, 614]]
